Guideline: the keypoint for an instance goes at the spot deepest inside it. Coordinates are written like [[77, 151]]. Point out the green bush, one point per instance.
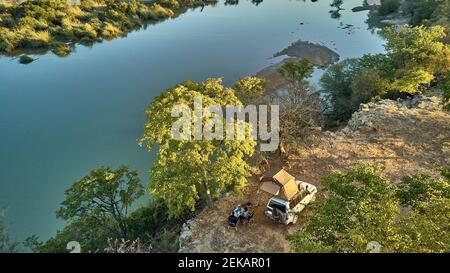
[[362, 206], [389, 6], [61, 49], [25, 59], [171, 4]]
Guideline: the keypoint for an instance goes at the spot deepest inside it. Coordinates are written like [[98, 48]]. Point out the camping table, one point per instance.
[[238, 212]]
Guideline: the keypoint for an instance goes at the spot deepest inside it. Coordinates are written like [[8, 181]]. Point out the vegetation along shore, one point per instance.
[[57, 25]]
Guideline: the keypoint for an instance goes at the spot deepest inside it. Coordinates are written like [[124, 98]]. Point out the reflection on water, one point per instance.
[[62, 117]]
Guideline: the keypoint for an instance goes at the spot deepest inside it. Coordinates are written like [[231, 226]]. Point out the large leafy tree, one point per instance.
[[250, 90], [355, 81], [189, 171], [419, 55], [102, 199], [148, 224]]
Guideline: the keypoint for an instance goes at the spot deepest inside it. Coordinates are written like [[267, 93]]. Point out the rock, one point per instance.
[[319, 55], [364, 8], [185, 234], [363, 120]]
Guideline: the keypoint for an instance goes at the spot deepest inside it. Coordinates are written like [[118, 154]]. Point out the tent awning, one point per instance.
[[270, 187]]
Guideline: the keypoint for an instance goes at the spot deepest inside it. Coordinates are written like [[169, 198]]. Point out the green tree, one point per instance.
[[152, 225], [425, 227], [250, 89], [367, 84], [296, 71], [425, 231], [361, 206], [415, 58], [188, 171], [389, 6], [430, 12], [417, 190], [149, 224], [102, 198], [33, 243], [419, 56], [92, 236], [6, 244], [355, 81]]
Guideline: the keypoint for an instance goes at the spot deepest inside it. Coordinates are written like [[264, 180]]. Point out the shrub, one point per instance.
[[171, 4], [25, 59], [161, 12], [8, 40], [61, 49], [389, 6], [110, 31], [33, 39]]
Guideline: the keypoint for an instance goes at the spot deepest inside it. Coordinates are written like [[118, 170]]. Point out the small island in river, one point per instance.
[[318, 55]]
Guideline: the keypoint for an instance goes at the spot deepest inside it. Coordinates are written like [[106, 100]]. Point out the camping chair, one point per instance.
[[232, 222], [248, 220]]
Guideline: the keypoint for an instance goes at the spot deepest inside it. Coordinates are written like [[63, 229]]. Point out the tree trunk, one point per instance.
[[207, 194]]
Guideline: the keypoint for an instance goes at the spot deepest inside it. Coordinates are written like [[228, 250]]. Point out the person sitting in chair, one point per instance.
[[232, 221], [247, 216]]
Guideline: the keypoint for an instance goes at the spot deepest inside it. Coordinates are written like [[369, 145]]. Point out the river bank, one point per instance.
[[37, 27]]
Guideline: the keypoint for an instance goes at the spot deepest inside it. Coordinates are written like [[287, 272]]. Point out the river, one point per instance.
[[62, 117]]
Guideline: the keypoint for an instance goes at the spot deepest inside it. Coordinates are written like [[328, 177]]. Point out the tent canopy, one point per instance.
[[279, 183], [279, 176]]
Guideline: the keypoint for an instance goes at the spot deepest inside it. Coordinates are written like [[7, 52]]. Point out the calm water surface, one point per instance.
[[62, 117]]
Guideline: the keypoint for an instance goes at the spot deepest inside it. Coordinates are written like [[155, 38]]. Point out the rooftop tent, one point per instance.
[[281, 177], [280, 184]]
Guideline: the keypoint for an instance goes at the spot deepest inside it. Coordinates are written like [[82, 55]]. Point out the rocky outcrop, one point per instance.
[[378, 111], [317, 54]]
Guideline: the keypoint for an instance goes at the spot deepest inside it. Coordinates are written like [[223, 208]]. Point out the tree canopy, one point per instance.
[[185, 171], [103, 197], [361, 206], [249, 90], [416, 57]]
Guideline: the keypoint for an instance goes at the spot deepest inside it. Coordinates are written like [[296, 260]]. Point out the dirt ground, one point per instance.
[[404, 137]]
